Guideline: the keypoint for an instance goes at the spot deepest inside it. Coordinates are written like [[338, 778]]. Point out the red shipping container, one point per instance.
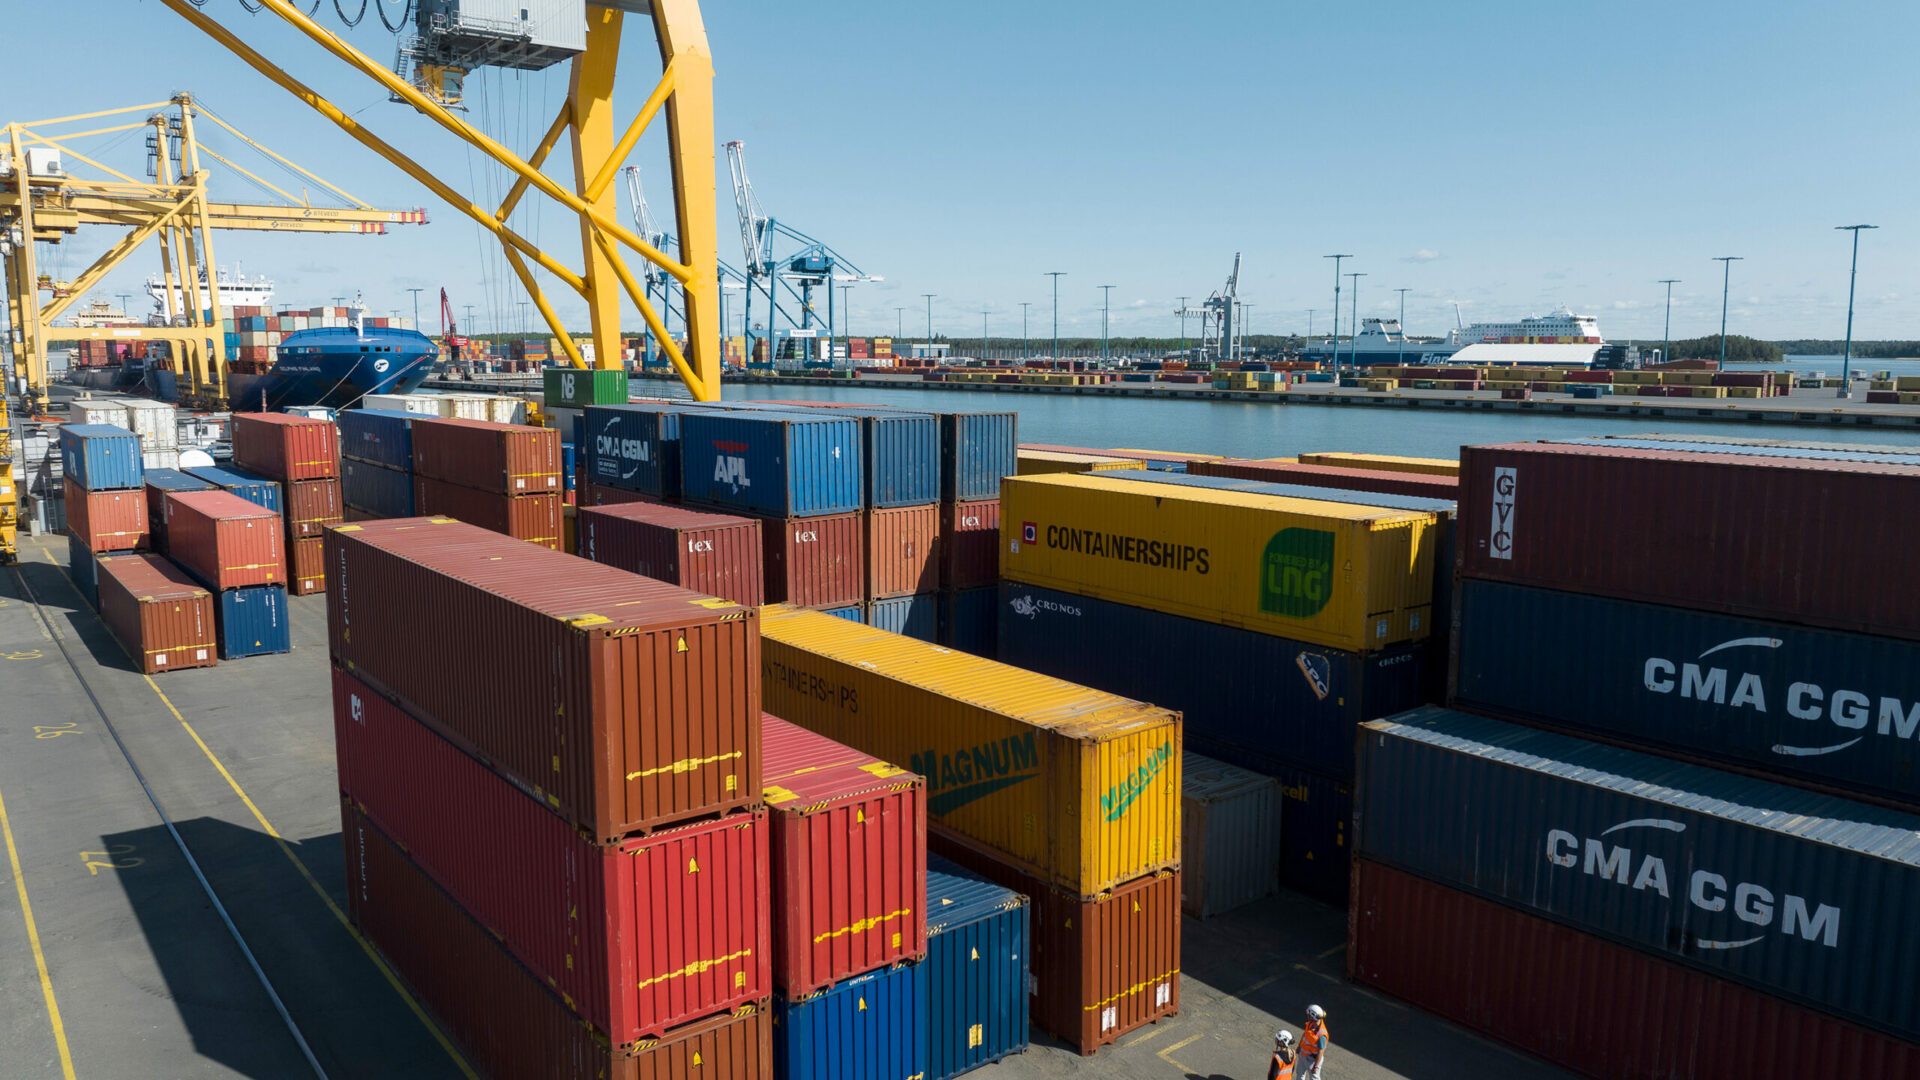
[[1378, 481], [162, 618], [286, 448], [312, 505], [307, 566], [506, 459], [640, 936], [969, 544], [652, 693], [715, 554], [224, 540], [504, 1020], [1567, 996], [533, 518], [849, 859], [815, 562], [107, 520], [1795, 540], [901, 547]]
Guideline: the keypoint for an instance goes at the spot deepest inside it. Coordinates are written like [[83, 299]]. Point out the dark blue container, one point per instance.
[[873, 1027], [902, 456], [916, 616], [83, 566], [175, 480], [1259, 701], [378, 436], [851, 613], [253, 621], [1316, 818], [568, 460], [970, 621], [100, 457], [978, 958], [976, 450], [374, 490], [1832, 708], [1801, 895], [257, 490], [632, 447], [782, 464]]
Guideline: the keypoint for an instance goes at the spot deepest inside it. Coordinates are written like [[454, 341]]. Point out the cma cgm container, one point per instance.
[[1511, 976], [376, 490], [306, 566], [503, 459], [849, 859], [1379, 481], [1256, 699], [107, 520], [632, 448], [158, 483], [969, 544], [286, 447], [1076, 786], [1798, 894], [640, 936], [1342, 576], [100, 457], [901, 547], [976, 450], [1101, 967], [1230, 836], [817, 561], [794, 465], [902, 456], [381, 437], [916, 616], [533, 518], [161, 617], [656, 711], [978, 956], [873, 1027], [715, 554], [1769, 538], [224, 540], [252, 621], [969, 621], [505, 1020], [259, 490]]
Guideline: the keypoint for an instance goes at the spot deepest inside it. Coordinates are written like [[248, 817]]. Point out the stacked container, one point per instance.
[[106, 497], [502, 477], [976, 451], [161, 617], [1378, 481], [376, 466], [978, 965], [235, 548], [303, 455], [158, 483], [715, 554]]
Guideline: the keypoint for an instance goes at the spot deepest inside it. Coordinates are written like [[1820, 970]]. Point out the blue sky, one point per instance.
[[1509, 156]]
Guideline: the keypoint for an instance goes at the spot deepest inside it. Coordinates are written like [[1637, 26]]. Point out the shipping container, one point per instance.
[[1383, 463], [503, 1018], [1378, 481], [312, 505], [902, 456], [639, 935], [656, 708], [632, 448], [978, 956], [286, 448], [225, 541], [976, 450], [1781, 539], [258, 490], [533, 518], [1586, 1004], [1710, 441], [576, 388], [501, 459], [83, 568], [1315, 818], [381, 437], [852, 613], [253, 621], [1079, 787], [376, 490], [796, 465], [306, 566], [1049, 462], [1101, 967], [815, 562], [916, 616], [107, 521], [970, 621], [159, 615], [100, 457], [154, 421], [1795, 893], [1229, 836], [1699, 444], [849, 859], [870, 1028], [1342, 576], [715, 554], [599, 495], [902, 545], [969, 544], [158, 483]]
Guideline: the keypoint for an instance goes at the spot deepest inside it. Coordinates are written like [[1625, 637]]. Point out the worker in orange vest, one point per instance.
[[1313, 1044], [1281, 1068]]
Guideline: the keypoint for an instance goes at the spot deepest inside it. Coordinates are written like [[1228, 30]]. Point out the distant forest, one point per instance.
[[1744, 350], [1871, 350]]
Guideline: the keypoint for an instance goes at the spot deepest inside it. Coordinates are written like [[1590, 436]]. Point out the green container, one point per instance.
[[577, 388]]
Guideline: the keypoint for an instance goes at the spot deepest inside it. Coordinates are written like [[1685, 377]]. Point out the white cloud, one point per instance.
[[1421, 256]]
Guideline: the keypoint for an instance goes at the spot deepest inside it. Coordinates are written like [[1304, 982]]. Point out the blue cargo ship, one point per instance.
[[333, 366]]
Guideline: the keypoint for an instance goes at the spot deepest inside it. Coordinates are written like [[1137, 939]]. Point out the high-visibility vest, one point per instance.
[[1313, 1037], [1281, 1069]]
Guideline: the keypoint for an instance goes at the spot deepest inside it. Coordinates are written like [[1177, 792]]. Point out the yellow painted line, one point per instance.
[[1157, 1031], [1256, 987], [1330, 952], [1167, 1054], [39, 957]]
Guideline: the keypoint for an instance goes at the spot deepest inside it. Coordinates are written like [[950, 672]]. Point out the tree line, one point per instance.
[[1740, 349]]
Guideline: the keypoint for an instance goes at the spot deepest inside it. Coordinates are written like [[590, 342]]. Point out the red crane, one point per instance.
[[451, 342]]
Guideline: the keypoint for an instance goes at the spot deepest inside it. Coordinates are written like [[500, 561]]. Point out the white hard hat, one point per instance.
[[1316, 1012], [1283, 1038]]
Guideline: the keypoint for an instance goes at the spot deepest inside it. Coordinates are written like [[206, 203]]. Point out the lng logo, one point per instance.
[[1504, 481], [1319, 673], [1030, 532], [1848, 710], [730, 465], [1120, 798], [1707, 892], [956, 779], [1296, 573]]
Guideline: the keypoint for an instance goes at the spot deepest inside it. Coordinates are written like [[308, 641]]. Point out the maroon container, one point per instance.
[[286, 448], [817, 561], [969, 544], [306, 566], [1796, 540], [625, 704], [107, 520], [902, 545], [312, 505], [224, 540], [504, 1020], [640, 936], [1585, 1003], [162, 618], [533, 518], [506, 459], [716, 554], [601, 495], [1378, 481]]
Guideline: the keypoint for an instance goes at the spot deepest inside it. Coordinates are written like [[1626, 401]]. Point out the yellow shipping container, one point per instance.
[[1341, 459], [1907, 384], [1076, 786], [1709, 391], [1379, 386], [1344, 576], [1880, 384], [1742, 391], [1168, 453], [1043, 462]]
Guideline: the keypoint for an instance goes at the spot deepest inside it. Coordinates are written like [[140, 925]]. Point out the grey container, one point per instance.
[[1229, 836]]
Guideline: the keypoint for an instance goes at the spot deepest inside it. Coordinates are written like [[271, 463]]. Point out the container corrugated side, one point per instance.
[[1773, 448], [158, 483], [1343, 576], [259, 490], [1230, 836], [915, 616], [978, 957], [873, 1027], [1795, 893], [376, 490], [1341, 459], [715, 554], [83, 567], [815, 562], [1080, 787], [161, 617], [969, 544], [504, 459], [640, 936], [1316, 818], [902, 545], [286, 448], [253, 621], [902, 456], [533, 518], [1049, 462], [1568, 997], [312, 505], [225, 541], [1380, 481], [970, 622], [306, 566], [107, 521], [976, 450], [632, 448], [101, 457], [795, 465], [381, 437], [651, 689], [500, 1014]]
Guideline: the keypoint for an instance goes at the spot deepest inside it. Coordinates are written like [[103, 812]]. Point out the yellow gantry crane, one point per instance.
[[41, 201]]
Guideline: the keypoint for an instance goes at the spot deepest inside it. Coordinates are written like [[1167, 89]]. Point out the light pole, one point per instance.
[[1024, 305], [1846, 358], [1106, 320], [983, 333], [1336, 306], [1666, 335], [523, 318], [929, 297], [416, 307], [1244, 306], [1183, 326], [1056, 275], [899, 323], [1309, 326], [469, 323], [1726, 280], [846, 306], [1353, 324], [1403, 328]]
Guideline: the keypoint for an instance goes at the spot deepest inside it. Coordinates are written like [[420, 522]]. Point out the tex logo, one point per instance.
[[1296, 573]]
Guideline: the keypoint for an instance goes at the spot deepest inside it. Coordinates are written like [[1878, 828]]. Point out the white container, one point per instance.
[[1229, 836], [156, 422], [464, 406], [507, 410], [159, 459], [98, 410], [417, 404]]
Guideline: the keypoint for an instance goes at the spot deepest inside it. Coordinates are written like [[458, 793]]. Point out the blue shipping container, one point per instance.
[[978, 958], [632, 447], [916, 616], [378, 436], [976, 450], [175, 480], [83, 566], [253, 621], [100, 457], [257, 490], [1798, 894], [851, 613], [1256, 700], [783, 464], [873, 1027], [1315, 813], [902, 456], [970, 621], [568, 460], [371, 489]]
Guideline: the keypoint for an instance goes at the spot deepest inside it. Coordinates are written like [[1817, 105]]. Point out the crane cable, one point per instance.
[[353, 22], [406, 11]]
